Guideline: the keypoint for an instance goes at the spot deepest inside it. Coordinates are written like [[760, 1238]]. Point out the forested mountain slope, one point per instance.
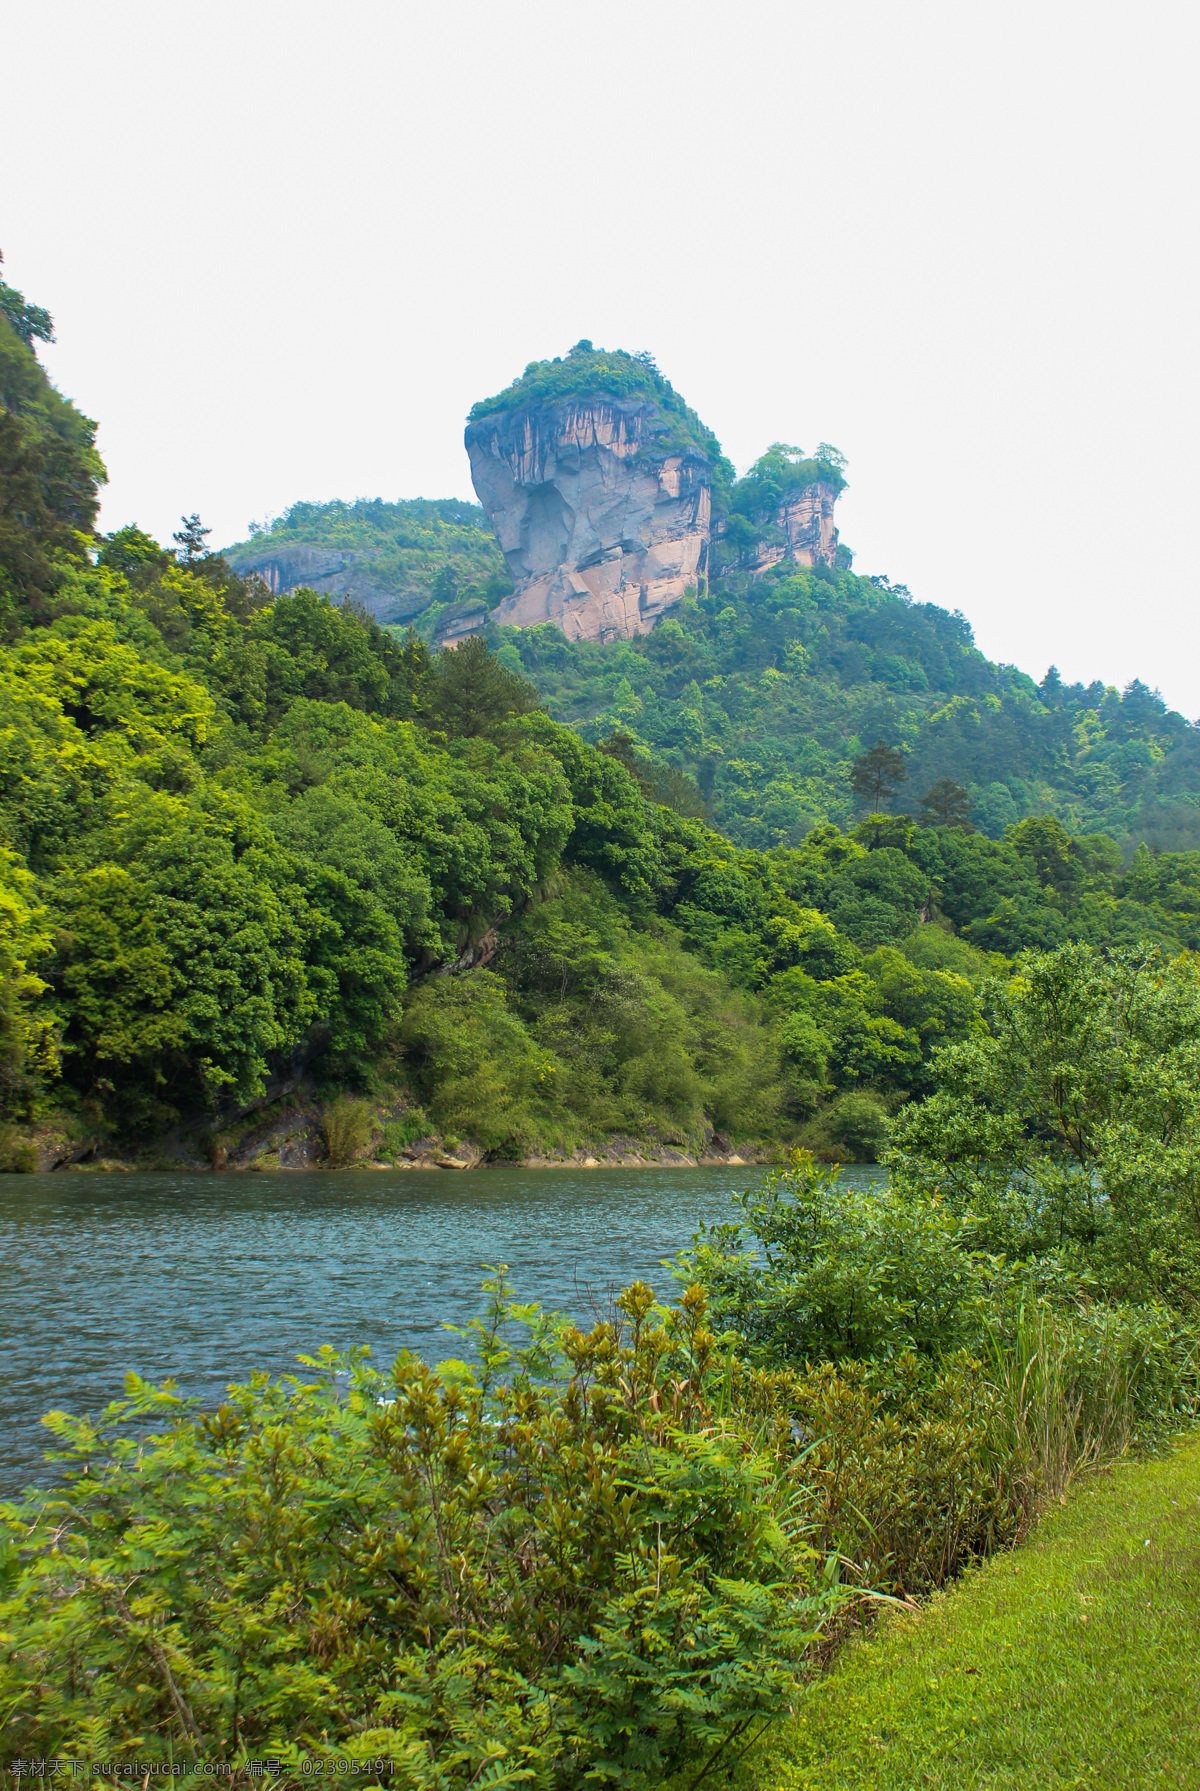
[[766, 689], [247, 837], [766, 681]]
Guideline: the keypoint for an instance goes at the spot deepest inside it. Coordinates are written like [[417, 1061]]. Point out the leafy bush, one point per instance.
[[859, 1125], [398, 1133], [482, 1579], [896, 1472], [16, 1153], [817, 1270], [1073, 1125]]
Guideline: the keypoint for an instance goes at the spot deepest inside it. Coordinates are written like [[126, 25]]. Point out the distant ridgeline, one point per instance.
[[399, 561], [715, 623]]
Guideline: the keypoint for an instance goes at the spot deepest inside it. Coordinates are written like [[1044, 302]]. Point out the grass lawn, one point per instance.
[[1074, 1661]]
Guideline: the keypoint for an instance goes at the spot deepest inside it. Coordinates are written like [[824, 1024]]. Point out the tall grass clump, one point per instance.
[[1080, 1386], [346, 1125]]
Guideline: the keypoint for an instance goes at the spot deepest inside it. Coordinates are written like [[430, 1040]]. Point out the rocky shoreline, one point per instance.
[[293, 1134]]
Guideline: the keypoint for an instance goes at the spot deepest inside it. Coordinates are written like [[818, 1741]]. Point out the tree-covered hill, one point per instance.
[[764, 691], [246, 836]]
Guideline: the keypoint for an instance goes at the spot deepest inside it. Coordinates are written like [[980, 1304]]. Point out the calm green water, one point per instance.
[[205, 1278]]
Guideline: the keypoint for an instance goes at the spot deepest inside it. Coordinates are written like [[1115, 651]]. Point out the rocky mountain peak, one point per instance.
[[601, 511]]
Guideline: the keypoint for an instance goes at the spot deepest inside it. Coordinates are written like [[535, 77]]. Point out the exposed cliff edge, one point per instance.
[[602, 525], [608, 500], [606, 493], [804, 530], [343, 576], [397, 560]]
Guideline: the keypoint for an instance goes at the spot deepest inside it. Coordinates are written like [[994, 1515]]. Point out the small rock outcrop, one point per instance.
[[804, 530], [783, 510], [602, 517]]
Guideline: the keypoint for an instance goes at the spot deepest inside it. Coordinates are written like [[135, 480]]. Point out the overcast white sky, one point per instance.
[[287, 245]]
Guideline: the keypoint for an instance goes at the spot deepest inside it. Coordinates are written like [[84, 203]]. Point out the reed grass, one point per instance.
[[346, 1126]]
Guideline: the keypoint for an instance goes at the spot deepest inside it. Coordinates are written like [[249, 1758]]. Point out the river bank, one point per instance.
[[301, 1131]]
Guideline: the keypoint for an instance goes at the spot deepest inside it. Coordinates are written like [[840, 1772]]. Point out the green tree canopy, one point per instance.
[[1073, 1123], [878, 774]]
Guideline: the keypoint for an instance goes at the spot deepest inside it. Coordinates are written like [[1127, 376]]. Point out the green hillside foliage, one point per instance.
[[246, 834], [424, 552], [243, 835], [49, 469], [32, 323], [588, 372], [764, 691]]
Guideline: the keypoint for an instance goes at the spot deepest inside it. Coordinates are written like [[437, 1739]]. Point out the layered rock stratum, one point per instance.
[[603, 522]]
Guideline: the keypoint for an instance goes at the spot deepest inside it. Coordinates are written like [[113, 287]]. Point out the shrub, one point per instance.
[[859, 1125], [16, 1153], [398, 1133], [893, 1473], [593, 1579], [346, 1125], [818, 1270]]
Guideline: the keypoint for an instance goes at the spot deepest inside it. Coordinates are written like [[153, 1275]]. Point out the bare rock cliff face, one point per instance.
[[602, 528], [802, 531], [805, 518]]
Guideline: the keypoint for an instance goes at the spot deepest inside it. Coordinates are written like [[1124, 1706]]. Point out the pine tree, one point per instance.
[[878, 774]]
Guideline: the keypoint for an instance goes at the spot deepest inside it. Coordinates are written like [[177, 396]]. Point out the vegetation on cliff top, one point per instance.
[[588, 372], [783, 470]]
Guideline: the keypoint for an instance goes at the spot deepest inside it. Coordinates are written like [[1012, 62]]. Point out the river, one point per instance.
[[206, 1277]]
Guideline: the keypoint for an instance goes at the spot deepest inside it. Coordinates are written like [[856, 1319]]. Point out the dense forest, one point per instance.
[[552, 893], [765, 689]]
